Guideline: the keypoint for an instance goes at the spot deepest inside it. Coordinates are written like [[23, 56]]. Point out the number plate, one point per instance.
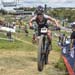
[[43, 30]]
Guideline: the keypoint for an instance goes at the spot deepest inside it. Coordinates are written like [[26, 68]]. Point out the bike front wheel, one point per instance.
[[41, 58]]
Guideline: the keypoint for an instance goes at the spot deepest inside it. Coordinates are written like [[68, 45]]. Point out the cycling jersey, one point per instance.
[[42, 23]]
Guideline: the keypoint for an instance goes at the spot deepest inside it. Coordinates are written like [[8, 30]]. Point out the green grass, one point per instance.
[[10, 45], [60, 65], [55, 46], [19, 44], [3, 35], [23, 37], [16, 45]]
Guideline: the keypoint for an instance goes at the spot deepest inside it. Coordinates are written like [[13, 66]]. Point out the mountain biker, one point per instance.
[[41, 19]]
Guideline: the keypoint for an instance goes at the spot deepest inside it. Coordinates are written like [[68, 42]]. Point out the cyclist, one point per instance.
[[41, 19], [72, 37]]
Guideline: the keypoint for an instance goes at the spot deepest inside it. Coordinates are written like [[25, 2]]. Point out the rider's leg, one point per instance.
[[49, 45], [49, 34]]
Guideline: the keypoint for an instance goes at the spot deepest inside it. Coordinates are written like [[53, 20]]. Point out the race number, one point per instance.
[[44, 30]]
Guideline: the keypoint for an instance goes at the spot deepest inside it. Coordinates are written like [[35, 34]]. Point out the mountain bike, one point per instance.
[[43, 49]]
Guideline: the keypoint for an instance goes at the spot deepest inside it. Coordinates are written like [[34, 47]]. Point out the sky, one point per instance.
[[31, 3]]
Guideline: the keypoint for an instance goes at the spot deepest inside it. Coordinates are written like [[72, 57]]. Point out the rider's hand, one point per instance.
[[31, 27], [57, 28]]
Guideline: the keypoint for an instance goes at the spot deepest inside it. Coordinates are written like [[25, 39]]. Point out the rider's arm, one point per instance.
[[53, 20], [31, 21]]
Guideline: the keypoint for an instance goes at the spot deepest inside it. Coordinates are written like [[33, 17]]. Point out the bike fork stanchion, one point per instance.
[[47, 52]]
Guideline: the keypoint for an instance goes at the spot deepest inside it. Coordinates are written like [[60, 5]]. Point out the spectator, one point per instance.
[[9, 35]]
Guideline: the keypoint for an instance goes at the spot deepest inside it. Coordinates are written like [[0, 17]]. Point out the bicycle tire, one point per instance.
[[40, 55], [47, 53]]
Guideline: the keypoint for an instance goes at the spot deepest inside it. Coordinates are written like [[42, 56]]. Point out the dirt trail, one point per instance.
[[25, 63]]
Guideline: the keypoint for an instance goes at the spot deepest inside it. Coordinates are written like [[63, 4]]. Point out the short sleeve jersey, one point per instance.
[[44, 22]]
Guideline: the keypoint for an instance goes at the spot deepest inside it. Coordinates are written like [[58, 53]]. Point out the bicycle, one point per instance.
[[43, 49]]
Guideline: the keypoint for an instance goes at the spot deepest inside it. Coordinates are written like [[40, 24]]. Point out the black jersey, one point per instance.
[[41, 23]]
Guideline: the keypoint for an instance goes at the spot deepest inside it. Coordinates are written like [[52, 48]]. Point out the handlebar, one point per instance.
[[56, 28]]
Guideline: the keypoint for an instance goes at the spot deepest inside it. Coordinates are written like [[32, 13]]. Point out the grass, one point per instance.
[[16, 45], [25, 63], [55, 45], [20, 57], [3, 35], [60, 65], [23, 37], [10, 45]]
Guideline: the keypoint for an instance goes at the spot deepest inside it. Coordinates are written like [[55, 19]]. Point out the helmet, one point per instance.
[[39, 10]]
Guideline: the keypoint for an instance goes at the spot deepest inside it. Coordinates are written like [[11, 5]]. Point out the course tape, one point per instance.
[[68, 66]]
